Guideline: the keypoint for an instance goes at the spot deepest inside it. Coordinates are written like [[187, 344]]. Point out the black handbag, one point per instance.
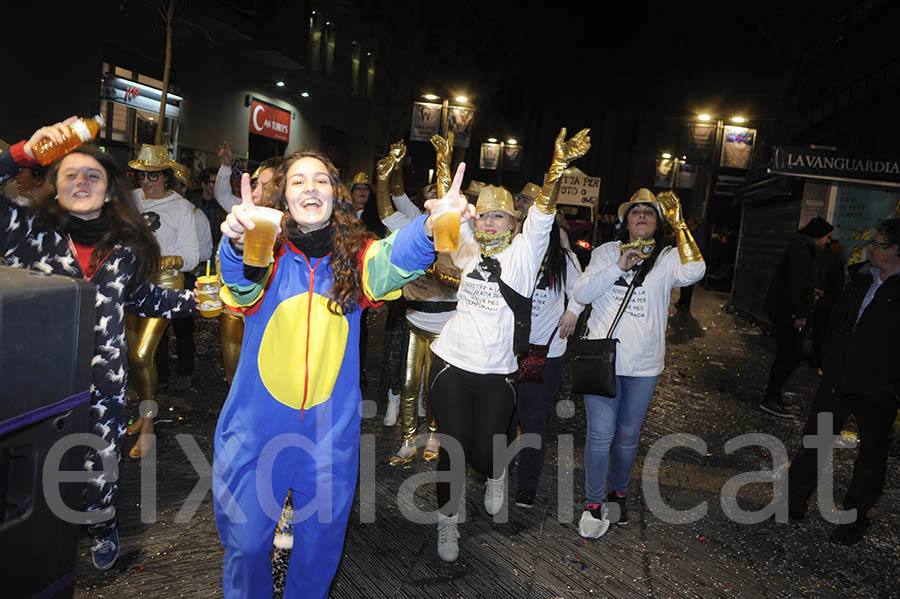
[[594, 367]]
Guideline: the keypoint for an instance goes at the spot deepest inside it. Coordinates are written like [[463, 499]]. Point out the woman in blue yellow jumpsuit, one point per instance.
[[292, 417]]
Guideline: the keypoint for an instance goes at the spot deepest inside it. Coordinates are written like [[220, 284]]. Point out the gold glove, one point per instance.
[[442, 277], [385, 167], [564, 152], [398, 153], [170, 275], [444, 149], [171, 263], [687, 247]]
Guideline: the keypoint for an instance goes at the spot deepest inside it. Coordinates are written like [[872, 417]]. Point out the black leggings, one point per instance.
[[471, 408], [534, 404]]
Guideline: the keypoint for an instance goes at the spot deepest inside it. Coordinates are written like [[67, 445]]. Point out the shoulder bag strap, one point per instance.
[[625, 301]]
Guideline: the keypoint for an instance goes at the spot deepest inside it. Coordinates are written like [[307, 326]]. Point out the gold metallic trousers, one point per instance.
[[418, 365], [231, 330], [143, 336]]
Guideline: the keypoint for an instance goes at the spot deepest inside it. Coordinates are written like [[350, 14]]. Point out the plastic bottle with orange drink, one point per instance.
[[83, 130]]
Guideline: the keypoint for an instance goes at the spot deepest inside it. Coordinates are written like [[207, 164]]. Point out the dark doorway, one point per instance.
[[262, 147]]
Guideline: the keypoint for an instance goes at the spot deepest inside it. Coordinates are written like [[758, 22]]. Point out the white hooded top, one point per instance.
[[171, 220]]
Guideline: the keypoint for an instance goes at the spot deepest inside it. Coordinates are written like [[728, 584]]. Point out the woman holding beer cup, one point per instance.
[[473, 392], [86, 226], [292, 417], [616, 421], [170, 218]]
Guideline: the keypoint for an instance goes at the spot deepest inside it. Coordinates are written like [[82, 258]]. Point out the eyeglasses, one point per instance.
[[152, 176], [880, 244]]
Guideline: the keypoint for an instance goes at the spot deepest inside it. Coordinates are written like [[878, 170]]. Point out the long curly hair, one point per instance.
[[128, 226], [350, 235]]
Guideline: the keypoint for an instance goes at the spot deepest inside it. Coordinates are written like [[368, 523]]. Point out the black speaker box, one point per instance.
[[46, 346]]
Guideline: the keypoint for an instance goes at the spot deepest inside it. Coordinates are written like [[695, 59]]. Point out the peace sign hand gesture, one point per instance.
[[466, 210], [239, 221]]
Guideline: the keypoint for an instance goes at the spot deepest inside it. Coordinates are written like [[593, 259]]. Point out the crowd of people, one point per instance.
[[294, 331]]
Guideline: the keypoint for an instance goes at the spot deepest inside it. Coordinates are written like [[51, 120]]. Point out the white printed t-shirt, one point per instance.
[[479, 337], [642, 330], [548, 306]]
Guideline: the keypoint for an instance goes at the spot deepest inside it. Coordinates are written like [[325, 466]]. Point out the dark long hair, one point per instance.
[[555, 260], [350, 235], [127, 227], [660, 236]]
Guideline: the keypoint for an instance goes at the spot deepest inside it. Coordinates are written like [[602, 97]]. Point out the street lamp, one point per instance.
[[445, 108], [510, 141]]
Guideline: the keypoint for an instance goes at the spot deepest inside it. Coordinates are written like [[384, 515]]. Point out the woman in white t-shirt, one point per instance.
[[616, 421], [170, 218], [473, 389]]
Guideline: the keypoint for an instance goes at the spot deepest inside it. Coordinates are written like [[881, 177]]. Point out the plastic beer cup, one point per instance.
[[210, 304], [445, 225], [259, 241]]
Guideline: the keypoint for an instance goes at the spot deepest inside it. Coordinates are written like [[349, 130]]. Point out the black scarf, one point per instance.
[[315, 244], [89, 232]]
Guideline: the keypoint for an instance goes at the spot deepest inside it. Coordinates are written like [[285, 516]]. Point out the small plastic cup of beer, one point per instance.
[[210, 304], [259, 241], [445, 225]]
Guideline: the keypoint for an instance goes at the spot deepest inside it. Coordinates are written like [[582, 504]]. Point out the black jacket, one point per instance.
[[791, 294], [861, 357]]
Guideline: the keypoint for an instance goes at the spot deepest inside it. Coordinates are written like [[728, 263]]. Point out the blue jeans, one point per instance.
[[614, 422]]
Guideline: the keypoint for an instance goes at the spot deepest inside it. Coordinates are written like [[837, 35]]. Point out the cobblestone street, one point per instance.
[[716, 371]]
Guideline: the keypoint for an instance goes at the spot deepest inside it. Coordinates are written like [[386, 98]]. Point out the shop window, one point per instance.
[[129, 126], [262, 147]]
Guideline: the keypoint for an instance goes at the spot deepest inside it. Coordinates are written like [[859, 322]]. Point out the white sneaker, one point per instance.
[[448, 538], [594, 523], [393, 409], [495, 494]]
